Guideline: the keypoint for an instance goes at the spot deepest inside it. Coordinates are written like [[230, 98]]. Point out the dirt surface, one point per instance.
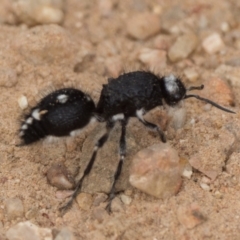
[[96, 41]]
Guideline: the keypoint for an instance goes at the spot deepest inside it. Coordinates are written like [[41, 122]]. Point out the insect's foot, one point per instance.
[[66, 206]]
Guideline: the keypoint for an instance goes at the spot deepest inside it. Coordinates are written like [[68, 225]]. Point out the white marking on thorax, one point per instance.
[[140, 113], [62, 98], [36, 115], [171, 84], [117, 117]]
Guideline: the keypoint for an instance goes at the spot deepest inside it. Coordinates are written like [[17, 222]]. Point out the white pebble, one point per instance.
[[213, 43], [23, 102], [125, 199], [187, 172], [204, 186]]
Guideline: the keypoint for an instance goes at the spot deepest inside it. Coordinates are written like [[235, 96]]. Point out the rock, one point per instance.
[[65, 234], [154, 59], [125, 199], [28, 231], [59, 177], [187, 172], [84, 200], [14, 208], [100, 197], [191, 74], [219, 91], [117, 205], [213, 43], [177, 117], [204, 186], [44, 45], [211, 157], [183, 47], [230, 73], [138, 25], [38, 12], [156, 170], [23, 102], [63, 194], [8, 77], [190, 216], [171, 17]]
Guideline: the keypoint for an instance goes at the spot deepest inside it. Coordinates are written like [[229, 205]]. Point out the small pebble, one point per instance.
[[217, 89], [154, 59], [218, 195], [59, 177], [84, 200], [14, 208], [156, 170], [28, 231], [65, 234], [38, 12], [213, 43], [31, 213], [171, 18], [138, 25], [204, 186], [63, 194], [23, 102], [190, 216], [125, 199], [100, 197], [117, 205], [230, 73], [183, 47], [99, 214], [187, 172], [191, 74]]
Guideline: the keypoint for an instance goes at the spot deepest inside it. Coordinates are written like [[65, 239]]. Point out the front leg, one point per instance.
[[151, 126]]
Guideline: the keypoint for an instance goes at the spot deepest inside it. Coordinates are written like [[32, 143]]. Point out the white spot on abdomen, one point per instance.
[[62, 98], [36, 115]]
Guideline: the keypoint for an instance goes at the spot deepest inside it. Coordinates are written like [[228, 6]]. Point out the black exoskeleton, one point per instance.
[[58, 114], [130, 95]]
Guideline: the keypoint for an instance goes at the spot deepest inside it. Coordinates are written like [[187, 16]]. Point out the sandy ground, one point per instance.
[[91, 45]]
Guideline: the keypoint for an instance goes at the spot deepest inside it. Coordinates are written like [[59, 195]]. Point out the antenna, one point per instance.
[[209, 101]]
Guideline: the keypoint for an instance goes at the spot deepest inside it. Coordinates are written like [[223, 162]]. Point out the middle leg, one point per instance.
[[122, 149]]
